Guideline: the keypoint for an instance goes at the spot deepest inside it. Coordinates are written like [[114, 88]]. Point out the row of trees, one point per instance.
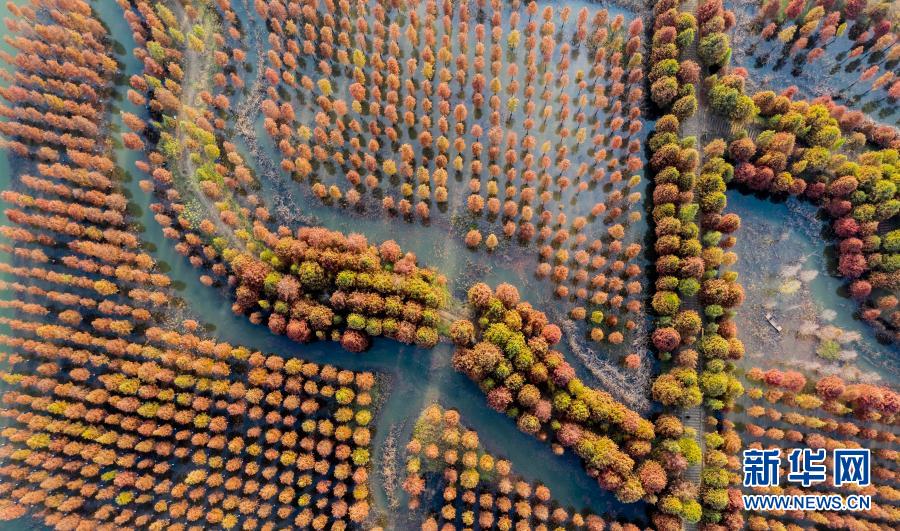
[[192, 170], [814, 424], [673, 76], [110, 420], [207, 195], [803, 150], [688, 257], [829, 519], [695, 297], [806, 31], [241, 426], [714, 46], [778, 166], [720, 292], [69, 221], [853, 121], [866, 401], [509, 353], [681, 263], [319, 285], [673, 160]]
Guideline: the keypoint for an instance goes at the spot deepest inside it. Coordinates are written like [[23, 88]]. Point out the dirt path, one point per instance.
[[198, 68], [695, 126]]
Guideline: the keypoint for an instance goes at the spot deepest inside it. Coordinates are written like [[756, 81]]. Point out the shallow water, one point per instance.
[[840, 73], [774, 236], [439, 243]]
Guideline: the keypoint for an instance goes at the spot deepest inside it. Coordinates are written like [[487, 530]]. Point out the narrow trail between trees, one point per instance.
[[696, 126], [197, 74]]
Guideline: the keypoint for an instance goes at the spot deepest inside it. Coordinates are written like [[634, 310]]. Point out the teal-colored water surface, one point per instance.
[[787, 270]]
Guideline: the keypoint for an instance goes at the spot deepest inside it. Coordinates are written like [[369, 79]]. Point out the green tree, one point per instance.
[[891, 241], [714, 49], [312, 276]]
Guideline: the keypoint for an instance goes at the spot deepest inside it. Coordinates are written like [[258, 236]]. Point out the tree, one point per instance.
[[742, 149], [508, 295], [687, 323], [891, 241], [685, 107], [852, 265], [551, 333], [389, 251], [312, 276], [830, 387], [462, 332], [688, 72], [665, 303], [479, 361], [714, 49], [426, 337], [652, 476], [499, 399], [479, 295], [666, 339], [473, 238], [354, 341], [664, 90]]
